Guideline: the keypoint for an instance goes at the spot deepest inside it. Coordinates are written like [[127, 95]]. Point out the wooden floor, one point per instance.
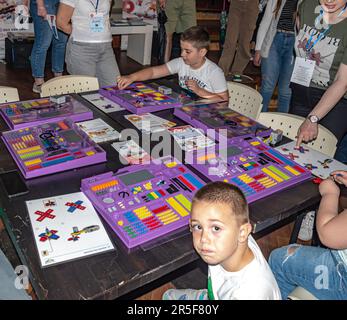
[[21, 79]]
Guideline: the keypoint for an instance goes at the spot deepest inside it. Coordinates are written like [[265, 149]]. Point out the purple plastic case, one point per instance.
[[35, 112], [143, 202], [257, 169], [52, 147], [218, 116], [140, 98]]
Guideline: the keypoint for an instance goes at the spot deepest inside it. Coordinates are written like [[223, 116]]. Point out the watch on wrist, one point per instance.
[[313, 118]]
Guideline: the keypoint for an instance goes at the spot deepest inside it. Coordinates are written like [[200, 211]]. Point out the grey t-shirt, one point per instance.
[[329, 52]]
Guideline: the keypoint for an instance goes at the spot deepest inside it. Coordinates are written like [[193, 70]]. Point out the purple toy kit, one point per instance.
[[257, 169], [140, 98], [52, 147], [35, 112], [143, 202], [218, 116]]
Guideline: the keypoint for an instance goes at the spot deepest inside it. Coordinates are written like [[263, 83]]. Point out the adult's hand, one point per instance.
[[307, 132], [162, 4], [257, 58], [41, 11]]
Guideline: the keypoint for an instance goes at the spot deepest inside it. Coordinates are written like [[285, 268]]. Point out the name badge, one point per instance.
[[96, 22], [303, 71]]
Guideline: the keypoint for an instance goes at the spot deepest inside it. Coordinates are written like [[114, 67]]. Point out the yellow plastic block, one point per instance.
[[90, 153], [171, 164], [272, 175], [174, 204], [186, 203], [292, 170]]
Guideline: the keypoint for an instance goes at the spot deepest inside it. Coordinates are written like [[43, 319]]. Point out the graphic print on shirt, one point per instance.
[[184, 78], [323, 53]]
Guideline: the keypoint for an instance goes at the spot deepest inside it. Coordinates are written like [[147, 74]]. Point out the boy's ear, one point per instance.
[[203, 52], [244, 232]]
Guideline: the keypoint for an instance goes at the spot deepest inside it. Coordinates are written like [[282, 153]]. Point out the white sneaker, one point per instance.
[[306, 230]]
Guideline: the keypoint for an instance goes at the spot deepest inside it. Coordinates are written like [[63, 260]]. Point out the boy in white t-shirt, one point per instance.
[[237, 270], [195, 72]]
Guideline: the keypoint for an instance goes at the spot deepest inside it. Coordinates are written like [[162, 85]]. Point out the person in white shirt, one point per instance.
[[89, 50], [237, 270], [196, 73]]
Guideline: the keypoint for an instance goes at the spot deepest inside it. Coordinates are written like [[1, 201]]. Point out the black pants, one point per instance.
[[304, 99]]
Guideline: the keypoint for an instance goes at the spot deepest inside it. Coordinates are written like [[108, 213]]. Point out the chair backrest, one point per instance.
[[8, 94], [69, 84], [244, 99], [290, 123]]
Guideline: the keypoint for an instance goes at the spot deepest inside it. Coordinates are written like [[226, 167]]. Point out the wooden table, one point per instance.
[[121, 273]]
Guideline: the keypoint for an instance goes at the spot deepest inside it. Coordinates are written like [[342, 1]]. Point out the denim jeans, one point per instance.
[[8, 290], [341, 152], [43, 39], [278, 67], [320, 271]]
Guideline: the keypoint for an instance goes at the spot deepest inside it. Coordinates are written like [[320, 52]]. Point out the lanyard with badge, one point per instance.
[[304, 67], [96, 18]]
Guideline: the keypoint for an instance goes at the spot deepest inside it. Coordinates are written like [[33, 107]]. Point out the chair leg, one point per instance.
[[296, 229]]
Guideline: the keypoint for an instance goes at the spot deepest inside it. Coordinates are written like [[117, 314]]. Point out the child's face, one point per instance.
[[191, 55], [215, 232]]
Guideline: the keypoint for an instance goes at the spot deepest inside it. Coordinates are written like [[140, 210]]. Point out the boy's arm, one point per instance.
[[221, 96], [143, 75], [331, 226]]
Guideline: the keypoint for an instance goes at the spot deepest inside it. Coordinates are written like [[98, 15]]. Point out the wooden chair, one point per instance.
[[69, 84], [290, 123], [8, 94], [244, 99]]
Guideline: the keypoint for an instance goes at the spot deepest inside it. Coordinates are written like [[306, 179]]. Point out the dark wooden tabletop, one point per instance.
[[118, 273]]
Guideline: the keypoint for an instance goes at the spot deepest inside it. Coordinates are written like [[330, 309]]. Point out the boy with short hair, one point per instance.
[[195, 72], [237, 270]]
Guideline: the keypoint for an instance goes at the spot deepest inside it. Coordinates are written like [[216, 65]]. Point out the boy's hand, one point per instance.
[[328, 186], [193, 86], [340, 176], [124, 81]]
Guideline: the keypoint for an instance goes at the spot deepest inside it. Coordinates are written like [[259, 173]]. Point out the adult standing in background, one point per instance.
[[44, 13], [181, 15], [242, 20], [89, 50], [320, 93], [274, 51]]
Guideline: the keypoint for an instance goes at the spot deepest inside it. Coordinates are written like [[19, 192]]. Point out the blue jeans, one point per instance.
[[341, 152], [320, 271], [43, 39], [8, 290], [278, 67]]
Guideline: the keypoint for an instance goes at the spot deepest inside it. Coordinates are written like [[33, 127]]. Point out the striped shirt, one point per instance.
[[286, 21]]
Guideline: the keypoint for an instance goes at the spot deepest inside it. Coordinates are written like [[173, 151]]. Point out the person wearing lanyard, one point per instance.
[[89, 50], [43, 14], [319, 79], [275, 51]]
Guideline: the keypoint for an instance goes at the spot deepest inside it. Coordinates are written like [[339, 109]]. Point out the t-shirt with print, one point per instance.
[[209, 76], [253, 282], [82, 26], [329, 52]]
